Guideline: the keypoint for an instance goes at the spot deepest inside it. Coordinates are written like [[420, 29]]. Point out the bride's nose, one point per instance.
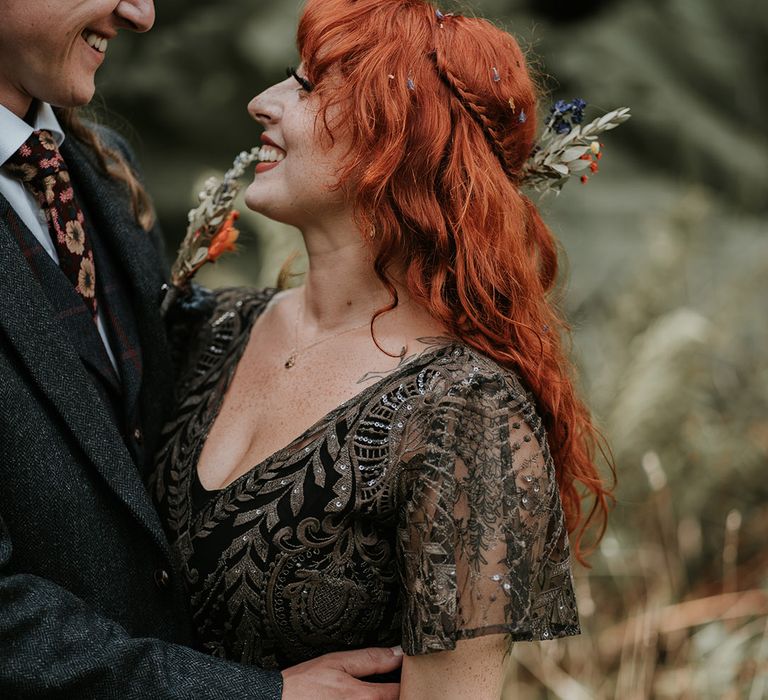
[[266, 107]]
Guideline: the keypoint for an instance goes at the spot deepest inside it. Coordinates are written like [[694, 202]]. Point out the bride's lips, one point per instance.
[[269, 142], [268, 165], [263, 167]]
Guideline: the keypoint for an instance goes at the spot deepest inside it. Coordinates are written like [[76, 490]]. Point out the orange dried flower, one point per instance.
[[225, 238]]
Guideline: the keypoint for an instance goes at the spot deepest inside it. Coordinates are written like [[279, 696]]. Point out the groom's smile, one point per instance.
[[50, 50], [96, 41]]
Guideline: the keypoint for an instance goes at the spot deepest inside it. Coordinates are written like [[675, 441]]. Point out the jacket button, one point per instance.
[[137, 435], [162, 579]]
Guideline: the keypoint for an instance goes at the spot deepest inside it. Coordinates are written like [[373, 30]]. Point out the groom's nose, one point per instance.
[[138, 15]]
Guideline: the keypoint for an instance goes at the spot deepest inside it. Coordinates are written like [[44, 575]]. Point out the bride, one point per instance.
[[390, 453]]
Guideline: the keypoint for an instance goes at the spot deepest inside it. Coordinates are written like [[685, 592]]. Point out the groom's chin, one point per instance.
[[76, 95]]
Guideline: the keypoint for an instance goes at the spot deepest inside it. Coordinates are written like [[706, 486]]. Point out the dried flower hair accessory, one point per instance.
[[211, 228], [567, 148]]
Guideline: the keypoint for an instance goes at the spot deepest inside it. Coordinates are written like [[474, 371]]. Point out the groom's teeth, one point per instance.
[[95, 41]]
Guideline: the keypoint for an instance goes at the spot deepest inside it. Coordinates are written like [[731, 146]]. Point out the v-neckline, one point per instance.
[[316, 427]]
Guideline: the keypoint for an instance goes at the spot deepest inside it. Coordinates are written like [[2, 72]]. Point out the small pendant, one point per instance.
[[291, 361]]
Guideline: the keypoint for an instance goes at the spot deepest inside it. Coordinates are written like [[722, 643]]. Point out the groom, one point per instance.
[[90, 605]]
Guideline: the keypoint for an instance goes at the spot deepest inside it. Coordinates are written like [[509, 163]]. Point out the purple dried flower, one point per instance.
[[565, 115]]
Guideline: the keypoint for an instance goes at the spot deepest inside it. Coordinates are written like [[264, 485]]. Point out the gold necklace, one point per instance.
[[295, 351]]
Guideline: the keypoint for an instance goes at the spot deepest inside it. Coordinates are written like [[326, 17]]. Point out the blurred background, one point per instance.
[[667, 291]]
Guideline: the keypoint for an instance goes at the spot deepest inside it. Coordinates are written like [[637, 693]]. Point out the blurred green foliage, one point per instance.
[[667, 291]]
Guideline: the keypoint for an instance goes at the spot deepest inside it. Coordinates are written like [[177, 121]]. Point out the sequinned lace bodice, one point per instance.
[[420, 512]]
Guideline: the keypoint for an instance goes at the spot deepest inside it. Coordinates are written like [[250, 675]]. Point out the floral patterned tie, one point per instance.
[[42, 169]]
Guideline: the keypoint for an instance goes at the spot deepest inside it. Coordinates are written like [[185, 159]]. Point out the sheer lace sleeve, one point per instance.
[[482, 545]]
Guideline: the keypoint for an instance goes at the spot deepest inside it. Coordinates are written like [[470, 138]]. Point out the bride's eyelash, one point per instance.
[[291, 72]]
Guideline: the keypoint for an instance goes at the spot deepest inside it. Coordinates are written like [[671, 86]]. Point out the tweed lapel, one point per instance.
[[133, 251], [68, 306], [118, 316], [44, 349]]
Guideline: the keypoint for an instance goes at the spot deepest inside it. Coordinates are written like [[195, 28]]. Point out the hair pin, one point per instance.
[[411, 84], [523, 117], [496, 76]]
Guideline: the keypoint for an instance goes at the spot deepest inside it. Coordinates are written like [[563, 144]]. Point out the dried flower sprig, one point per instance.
[[566, 148], [210, 229]]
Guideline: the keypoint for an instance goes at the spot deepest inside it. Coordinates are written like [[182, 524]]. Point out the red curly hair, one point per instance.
[[441, 111]]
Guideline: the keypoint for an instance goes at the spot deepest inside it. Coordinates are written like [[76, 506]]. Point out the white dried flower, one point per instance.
[[216, 203]]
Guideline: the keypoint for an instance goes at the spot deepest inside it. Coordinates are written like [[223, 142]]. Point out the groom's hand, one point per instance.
[[335, 676]]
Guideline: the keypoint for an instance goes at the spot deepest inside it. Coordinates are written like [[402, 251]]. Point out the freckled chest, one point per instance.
[[266, 406]]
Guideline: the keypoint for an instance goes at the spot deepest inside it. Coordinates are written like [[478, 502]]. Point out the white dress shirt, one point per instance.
[[13, 133]]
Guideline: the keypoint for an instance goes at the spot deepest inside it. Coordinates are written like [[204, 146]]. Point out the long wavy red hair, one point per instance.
[[441, 110]]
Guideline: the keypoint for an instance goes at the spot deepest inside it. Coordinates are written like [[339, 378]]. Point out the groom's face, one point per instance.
[[50, 50]]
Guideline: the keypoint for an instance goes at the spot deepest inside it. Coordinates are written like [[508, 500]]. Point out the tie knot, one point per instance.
[[37, 158]]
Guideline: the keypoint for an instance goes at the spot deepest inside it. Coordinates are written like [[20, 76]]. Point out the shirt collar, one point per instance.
[[14, 131]]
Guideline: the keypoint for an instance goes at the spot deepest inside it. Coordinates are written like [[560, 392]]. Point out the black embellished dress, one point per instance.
[[422, 511]]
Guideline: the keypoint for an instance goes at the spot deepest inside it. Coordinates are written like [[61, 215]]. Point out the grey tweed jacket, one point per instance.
[[90, 606]]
